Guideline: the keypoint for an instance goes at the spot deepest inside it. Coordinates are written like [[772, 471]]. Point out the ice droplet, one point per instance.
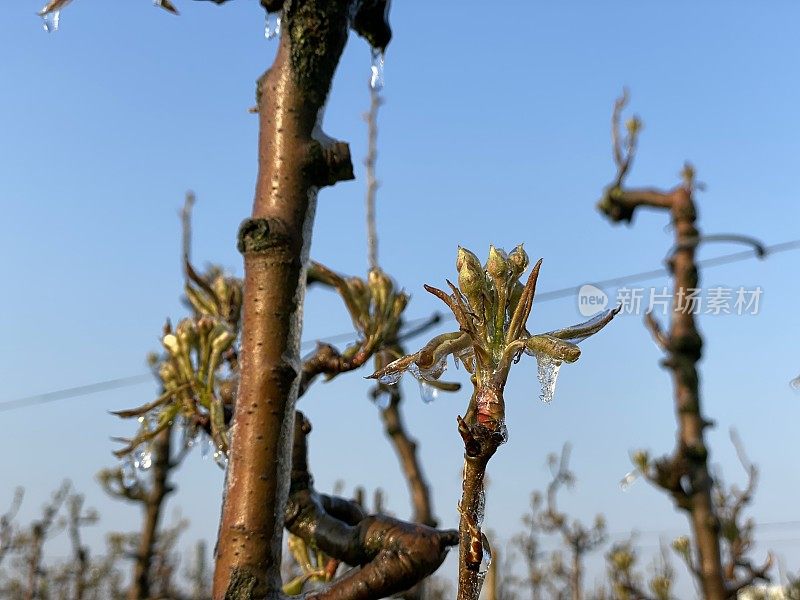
[[206, 446], [627, 481], [50, 21], [272, 26], [382, 399], [143, 460], [431, 374], [220, 458], [486, 560], [376, 80], [128, 472], [390, 378], [427, 392], [547, 373]]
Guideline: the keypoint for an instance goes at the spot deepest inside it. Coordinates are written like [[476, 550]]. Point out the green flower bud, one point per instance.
[[518, 260], [681, 545], [170, 342], [497, 265], [186, 332], [471, 279], [641, 459], [381, 286]]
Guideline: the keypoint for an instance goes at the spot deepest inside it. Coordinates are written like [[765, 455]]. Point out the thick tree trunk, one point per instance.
[[294, 162]]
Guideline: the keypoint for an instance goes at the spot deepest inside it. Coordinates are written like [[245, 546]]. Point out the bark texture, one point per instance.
[[295, 159], [684, 474]]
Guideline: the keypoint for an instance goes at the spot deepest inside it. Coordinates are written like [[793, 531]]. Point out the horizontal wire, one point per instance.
[[122, 382]]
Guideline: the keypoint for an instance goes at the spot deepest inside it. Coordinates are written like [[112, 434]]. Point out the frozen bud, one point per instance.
[[186, 332], [466, 259], [380, 285], [681, 545], [622, 559], [171, 343], [357, 286], [633, 125], [553, 347], [220, 286], [641, 459], [399, 304], [221, 339], [497, 265], [470, 275], [519, 261], [205, 325], [167, 372]]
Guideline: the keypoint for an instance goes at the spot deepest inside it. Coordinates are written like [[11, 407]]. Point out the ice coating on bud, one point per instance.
[[518, 259], [432, 373], [497, 265], [546, 344]]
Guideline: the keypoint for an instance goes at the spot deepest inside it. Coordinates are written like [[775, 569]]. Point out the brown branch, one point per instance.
[[371, 118], [153, 505], [480, 444], [7, 524], [80, 560], [295, 159], [654, 327], [686, 474], [392, 555], [329, 362], [38, 535]]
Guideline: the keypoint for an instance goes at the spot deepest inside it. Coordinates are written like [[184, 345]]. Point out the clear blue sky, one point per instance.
[[495, 130]]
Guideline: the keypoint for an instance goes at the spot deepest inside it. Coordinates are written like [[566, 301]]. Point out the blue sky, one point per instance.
[[495, 130]]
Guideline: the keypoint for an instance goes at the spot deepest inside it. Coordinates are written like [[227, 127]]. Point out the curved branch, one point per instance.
[[392, 555]]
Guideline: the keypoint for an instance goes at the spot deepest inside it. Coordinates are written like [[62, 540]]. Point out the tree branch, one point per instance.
[[392, 555]]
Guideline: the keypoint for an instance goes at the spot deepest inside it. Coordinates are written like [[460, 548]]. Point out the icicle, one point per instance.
[[486, 561], [272, 26], [128, 472], [427, 392], [547, 374], [206, 446], [376, 80], [390, 378], [51, 14], [627, 481], [50, 21]]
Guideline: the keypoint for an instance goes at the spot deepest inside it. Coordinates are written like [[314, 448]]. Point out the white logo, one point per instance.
[[591, 300]]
